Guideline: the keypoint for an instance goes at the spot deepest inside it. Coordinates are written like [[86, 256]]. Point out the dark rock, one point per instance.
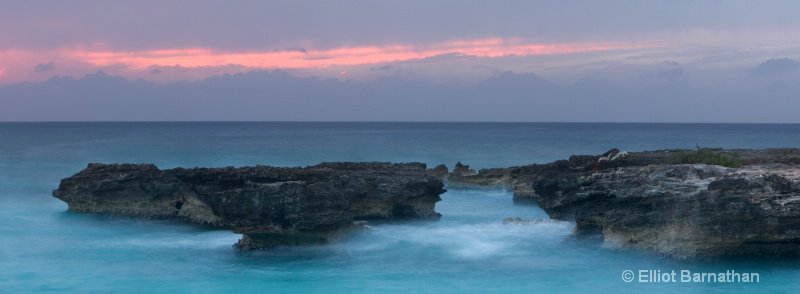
[[645, 200], [439, 172], [270, 206], [463, 170], [493, 177], [610, 153], [684, 210]]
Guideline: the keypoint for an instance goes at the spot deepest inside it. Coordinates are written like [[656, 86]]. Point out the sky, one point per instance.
[[585, 61]]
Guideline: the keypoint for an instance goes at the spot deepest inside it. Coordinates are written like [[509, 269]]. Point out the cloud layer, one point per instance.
[[775, 66], [279, 96], [320, 38], [154, 25], [373, 60], [136, 63]]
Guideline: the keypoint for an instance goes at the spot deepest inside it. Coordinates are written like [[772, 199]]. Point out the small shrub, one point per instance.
[[705, 156]]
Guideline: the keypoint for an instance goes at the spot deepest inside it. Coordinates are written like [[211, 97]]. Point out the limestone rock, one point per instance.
[[439, 172], [684, 210], [647, 200], [270, 206]]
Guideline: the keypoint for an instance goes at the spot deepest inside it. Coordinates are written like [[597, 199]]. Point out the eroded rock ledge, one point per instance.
[[648, 200], [270, 206]]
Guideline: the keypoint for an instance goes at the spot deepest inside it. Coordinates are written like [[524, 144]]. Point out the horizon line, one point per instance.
[[411, 122]]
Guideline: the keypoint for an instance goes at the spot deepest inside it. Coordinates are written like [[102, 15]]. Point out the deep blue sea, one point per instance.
[[44, 248]]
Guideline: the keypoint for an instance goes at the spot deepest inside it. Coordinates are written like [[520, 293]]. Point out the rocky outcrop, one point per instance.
[[680, 203], [683, 210], [270, 206], [439, 172]]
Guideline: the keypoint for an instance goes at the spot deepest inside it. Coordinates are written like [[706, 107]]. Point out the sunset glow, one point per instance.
[[78, 61], [200, 57], [343, 55]]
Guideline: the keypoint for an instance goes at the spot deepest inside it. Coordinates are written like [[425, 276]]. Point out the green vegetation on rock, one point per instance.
[[706, 156]]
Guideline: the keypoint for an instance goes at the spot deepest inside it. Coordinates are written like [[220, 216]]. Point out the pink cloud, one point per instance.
[[197, 57], [70, 61]]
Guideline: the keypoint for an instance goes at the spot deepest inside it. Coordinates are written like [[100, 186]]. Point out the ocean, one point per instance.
[[44, 248]]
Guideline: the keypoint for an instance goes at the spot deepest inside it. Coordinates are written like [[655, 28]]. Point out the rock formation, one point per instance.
[[683, 210], [440, 172], [680, 203], [270, 206]]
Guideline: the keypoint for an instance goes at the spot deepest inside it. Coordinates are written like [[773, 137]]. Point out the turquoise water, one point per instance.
[[46, 249]]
